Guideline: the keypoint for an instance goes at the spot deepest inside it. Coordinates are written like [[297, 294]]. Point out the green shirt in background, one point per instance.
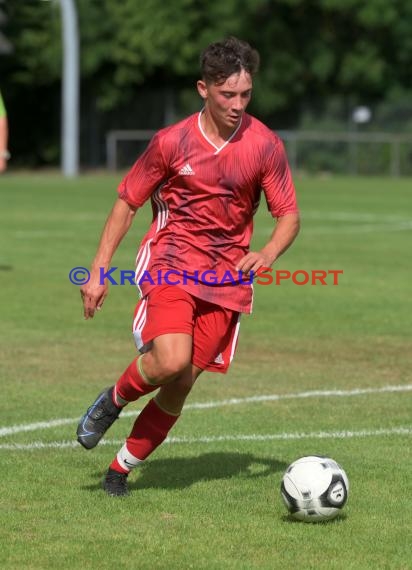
[[2, 107]]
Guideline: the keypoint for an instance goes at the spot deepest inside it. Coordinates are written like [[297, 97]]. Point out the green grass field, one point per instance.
[[329, 368]]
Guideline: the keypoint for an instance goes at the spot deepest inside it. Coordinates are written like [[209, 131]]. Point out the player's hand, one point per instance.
[[93, 295], [253, 261]]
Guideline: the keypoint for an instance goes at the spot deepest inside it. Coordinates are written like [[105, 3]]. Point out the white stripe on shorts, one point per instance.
[[139, 323], [235, 337]]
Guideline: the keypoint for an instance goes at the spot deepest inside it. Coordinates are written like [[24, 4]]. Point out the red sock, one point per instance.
[[150, 430], [131, 384]]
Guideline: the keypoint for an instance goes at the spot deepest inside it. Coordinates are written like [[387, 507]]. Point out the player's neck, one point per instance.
[[218, 134]]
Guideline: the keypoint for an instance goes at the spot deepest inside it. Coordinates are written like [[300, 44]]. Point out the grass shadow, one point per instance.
[[182, 472], [340, 518]]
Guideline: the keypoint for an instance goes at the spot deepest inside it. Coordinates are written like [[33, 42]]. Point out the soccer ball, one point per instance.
[[314, 489]]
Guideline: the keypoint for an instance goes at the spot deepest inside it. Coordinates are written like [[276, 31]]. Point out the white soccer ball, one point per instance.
[[314, 489]]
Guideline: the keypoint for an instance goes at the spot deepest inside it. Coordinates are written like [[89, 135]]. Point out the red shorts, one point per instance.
[[169, 309]]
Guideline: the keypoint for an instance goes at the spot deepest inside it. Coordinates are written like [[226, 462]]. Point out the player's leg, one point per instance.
[[167, 314], [171, 397], [169, 357], [214, 343], [149, 430]]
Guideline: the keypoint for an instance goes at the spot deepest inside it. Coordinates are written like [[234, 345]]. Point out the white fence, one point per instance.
[[344, 152]]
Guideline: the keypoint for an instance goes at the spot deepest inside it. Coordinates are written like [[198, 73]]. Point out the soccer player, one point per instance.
[[204, 176], [4, 135]]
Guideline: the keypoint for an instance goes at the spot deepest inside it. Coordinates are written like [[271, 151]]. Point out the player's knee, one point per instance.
[[171, 366]]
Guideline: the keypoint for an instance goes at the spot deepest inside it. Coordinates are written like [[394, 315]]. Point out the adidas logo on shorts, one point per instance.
[[219, 359]]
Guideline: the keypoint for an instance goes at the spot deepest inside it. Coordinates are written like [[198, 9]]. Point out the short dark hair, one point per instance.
[[221, 59]]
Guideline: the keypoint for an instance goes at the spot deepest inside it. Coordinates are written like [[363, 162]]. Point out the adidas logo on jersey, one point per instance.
[[186, 170]]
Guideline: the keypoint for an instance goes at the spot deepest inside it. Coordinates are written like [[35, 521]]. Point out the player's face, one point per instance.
[[226, 102]]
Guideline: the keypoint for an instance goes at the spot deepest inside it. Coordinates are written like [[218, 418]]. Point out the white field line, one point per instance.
[[32, 234], [361, 229], [353, 217], [299, 395], [12, 430], [371, 223], [407, 430], [351, 223], [338, 215], [350, 229], [354, 228]]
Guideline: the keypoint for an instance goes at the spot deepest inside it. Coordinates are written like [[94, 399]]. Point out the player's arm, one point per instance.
[[148, 172], [117, 225], [280, 196], [286, 230]]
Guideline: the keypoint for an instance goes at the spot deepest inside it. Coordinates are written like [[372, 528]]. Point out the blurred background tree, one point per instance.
[[139, 64]]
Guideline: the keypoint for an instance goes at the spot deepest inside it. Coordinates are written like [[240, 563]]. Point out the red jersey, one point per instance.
[[203, 200]]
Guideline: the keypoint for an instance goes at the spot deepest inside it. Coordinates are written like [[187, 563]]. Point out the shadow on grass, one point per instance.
[[340, 518], [182, 472]]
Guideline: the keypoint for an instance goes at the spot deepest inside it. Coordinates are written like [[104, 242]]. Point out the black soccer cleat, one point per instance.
[[115, 483], [97, 420]]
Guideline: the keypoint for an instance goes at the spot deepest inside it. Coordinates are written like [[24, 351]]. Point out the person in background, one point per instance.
[[4, 136]]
